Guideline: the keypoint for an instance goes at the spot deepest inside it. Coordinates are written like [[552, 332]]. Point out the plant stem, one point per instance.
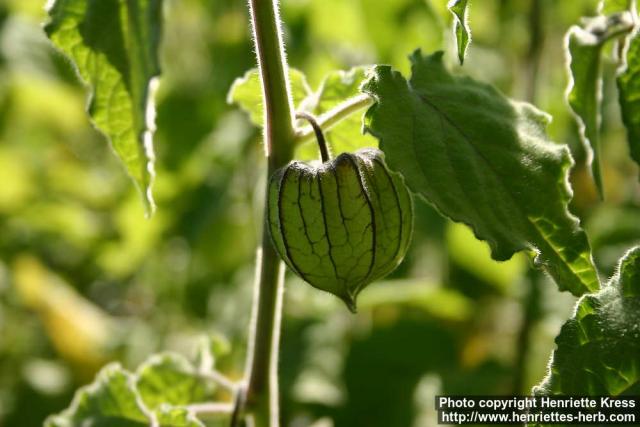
[[336, 115], [279, 135]]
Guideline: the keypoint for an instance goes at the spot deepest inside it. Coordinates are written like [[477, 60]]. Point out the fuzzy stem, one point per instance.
[[336, 115], [279, 135]]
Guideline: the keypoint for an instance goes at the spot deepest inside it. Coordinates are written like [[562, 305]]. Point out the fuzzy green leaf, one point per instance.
[[336, 88], [114, 47], [158, 394], [169, 379], [598, 349], [584, 53], [629, 90], [484, 160], [459, 9], [168, 416], [110, 401], [607, 7], [346, 136]]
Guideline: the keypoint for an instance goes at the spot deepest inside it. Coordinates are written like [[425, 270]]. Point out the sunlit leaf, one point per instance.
[[336, 88], [113, 46], [629, 90], [607, 7], [484, 160], [168, 416], [110, 401], [158, 394], [584, 53], [169, 379], [598, 348], [346, 136], [460, 11]]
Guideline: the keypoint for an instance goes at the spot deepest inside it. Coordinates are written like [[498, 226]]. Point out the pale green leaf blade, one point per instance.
[[584, 56], [169, 416], [629, 96], [347, 136], [460, 11], [338, 86], [110, 401], [114, 47], [598, 349], [170, 379], [483, 160], [246, 93], [607, 7]]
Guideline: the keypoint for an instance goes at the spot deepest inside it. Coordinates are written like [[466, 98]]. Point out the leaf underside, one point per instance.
[[598, 349], [629, 94], [584, 55], [483, 160], [459, 9], [114, 48], [157, 395]]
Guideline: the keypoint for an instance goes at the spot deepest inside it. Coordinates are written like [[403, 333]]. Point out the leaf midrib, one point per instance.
[[469, 140]]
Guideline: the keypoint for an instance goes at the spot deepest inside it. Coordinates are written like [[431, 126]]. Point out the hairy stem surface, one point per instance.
[[279, 135]]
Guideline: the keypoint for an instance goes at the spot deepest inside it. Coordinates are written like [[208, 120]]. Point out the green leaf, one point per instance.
[[483, 160], [113, 45], [246, 93], [169, 379], [598, 349], [110, 401], [629, 92], [169, 416], [336, 88], [346, 136], [460, 11], [158, 394], [584, 54], [608, 7]]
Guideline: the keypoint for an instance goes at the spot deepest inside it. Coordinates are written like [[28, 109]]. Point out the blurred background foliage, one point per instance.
[[86, 279]]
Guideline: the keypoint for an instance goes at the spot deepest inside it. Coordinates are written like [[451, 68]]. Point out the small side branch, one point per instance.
[[219, 379], [335, 116], [215, 408]]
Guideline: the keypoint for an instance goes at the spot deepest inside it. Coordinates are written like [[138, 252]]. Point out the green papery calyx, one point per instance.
[[342, 224]]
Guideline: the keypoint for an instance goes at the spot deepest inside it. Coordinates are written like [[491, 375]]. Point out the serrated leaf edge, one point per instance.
[[634, 251], [565, 188]]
